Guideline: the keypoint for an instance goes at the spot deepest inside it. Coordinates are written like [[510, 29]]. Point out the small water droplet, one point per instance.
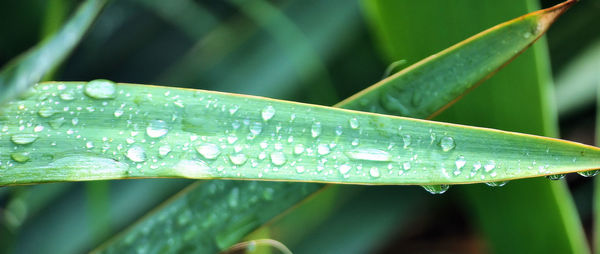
[[556, 177], [460, 162], [589, 173], [100, 89], [157, 129], [118, 113], [406, 165], [208, 151], [339, 130], [323, 149], [300, 169], [298, 148], [447, 143], [370, 154], [164, 150], [67, 96], [24, 139], [136, 154], [315, 130], [489, 166], [255, 128], [38, 128], [46, 111], [496, 184], [344, 169], [407, 140], [278, 158], [56, 122], [353, 123], [233, 109], [268, 112], [436, 189], [374, 172], [89, 145], [238, 159]]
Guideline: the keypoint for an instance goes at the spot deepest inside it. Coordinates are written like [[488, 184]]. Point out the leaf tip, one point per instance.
[[549, 15]]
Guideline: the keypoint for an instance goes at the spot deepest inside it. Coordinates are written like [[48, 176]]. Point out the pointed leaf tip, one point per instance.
[[549, 15]]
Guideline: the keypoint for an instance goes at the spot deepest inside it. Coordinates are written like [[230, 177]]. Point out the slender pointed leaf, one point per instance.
[[28, 69]]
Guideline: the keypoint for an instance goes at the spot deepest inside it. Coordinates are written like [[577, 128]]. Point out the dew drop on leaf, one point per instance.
[[447, 143], [460, 162], [136, 154], [374, 172], [589, 173], [23, 139], [344, 169], [164, 150], [278, 158], [208, 151], [353, 123], [323, 149], [100, 89], [315, 129], [157, 129], [496, 184], [556, 177], [436, 189], [46, 111], [238, 159], [267, 113], [369, 154], [20, 156]]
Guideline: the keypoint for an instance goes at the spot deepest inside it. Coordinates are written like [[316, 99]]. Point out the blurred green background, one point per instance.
[[321, 52]]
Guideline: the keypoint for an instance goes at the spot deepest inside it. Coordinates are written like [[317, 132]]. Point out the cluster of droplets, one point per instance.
[[269, 141]]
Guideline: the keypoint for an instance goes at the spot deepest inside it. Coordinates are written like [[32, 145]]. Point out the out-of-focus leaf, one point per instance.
[[29, 68], [577, 82]]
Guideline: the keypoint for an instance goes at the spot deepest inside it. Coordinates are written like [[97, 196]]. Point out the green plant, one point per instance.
[[109, 131]]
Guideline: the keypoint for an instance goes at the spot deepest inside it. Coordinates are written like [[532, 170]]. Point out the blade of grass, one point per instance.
[[152, 222], [29, 68], [596, 195], [163, 132], [496, 105]]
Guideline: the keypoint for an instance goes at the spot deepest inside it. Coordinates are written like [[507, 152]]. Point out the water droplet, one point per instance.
[[298, 148], [589, 173], [255, 128], [89, 145], [164, 150], [278, 158], [406, 139], [232, 138], [315, 130], [323, 149], [447, 143], [75, 121], [100, 89], [344, 169], [233, 109], [238, 159], [370, 154], [23, 139], [46, 111], [406, 165], [208, 151], [267, 113], [300, 169], [136, 154], [374, 172], [157, 129], [119, 112], [353, 123], [38, 128], [496, 184], [460, 162], [339, 130], [489, 166], [436, 189], [20, 156], [556, 177], [355, 142], [67, 96], [56, 122]]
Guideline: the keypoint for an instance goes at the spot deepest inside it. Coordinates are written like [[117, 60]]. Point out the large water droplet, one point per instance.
[[136, 154], [589, 173], [436, 189], [157, 128], [23, 139], [370, 154], [208, 151], [315, 130], [100, 89], [353, 123], [238, 159], [556, 177], [267, 113], [20, 156], [278, 158], [447, 143]]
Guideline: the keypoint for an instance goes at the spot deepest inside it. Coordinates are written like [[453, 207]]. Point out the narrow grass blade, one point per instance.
[[99, 130], [29, 68], [410, 91]]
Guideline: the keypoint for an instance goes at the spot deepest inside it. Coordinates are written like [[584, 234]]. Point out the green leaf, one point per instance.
[[29, 68], [99, 130], [143, 234]]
